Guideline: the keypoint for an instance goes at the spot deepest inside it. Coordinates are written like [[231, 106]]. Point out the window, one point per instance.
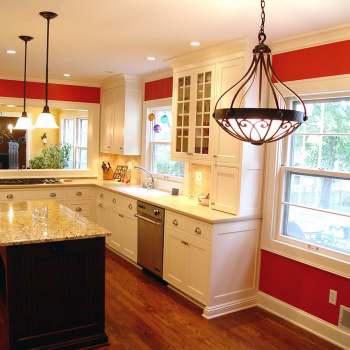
[[74, 131], [316, 190], [160, 144]]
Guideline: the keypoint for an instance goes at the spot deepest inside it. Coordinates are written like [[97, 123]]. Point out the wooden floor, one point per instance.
[[143, 314]]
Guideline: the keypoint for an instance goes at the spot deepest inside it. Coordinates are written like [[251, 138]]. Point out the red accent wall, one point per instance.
[[157, 89], [59, 92], [295, 283], [303, 286], [313, 62]]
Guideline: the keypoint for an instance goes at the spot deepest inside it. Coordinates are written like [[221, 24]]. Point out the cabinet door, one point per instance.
[[128, 230], [108, 108], [227, 149], [225, 189], [103, 219], [201, 131], [197, 258], [118, 121], [181, 112], [174, 266], [117, 230]]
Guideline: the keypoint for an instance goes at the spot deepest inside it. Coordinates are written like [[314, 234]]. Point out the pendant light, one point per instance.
[[46, 120], [23, 122], [263, 124]]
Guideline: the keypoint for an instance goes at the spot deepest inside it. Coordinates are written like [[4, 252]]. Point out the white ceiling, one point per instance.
[[90, 37]]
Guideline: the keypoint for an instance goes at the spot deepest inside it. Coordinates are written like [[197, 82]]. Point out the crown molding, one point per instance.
[[316, 38], [157, 75]]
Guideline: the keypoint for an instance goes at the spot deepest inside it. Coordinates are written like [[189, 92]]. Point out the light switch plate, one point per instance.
[[333, 294]]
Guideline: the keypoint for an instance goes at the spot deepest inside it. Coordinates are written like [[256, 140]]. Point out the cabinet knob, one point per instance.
[[214, 155], [212, 203], [79, 194], [189, 154], [185, 243], [198, 231], [114, 200], [121, 215], [101, 195], [9, 196], [78, 209], [108, 146], [100, 205], [130, 206], [175, 222], [53, 194]]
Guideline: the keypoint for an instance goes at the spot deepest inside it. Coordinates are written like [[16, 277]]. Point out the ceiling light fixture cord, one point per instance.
[[47, 63], [262, 35]]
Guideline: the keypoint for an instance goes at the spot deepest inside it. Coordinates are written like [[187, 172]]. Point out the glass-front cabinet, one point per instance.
[[193, 108]]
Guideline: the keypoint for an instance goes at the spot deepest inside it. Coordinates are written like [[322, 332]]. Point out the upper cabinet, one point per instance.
[[192, 106], [120, 129]]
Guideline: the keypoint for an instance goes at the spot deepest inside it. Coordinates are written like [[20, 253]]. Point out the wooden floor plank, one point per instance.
[[143, 314]]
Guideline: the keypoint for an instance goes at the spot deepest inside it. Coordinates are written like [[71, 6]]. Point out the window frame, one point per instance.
[[149, 143], [276, 153], [75, 147]]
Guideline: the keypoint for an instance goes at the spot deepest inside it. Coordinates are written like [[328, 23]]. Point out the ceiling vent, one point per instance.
[[344, 318]]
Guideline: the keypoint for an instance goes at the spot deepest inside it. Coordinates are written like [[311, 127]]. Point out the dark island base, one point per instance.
[[52, 295]]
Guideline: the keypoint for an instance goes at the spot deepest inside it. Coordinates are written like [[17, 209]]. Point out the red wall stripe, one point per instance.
[[313, 62], [303, 286], [59, 92], [157, 89]]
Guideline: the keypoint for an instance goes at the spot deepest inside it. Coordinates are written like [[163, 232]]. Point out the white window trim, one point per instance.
[[271, 239], [74, 117], [165, 181]]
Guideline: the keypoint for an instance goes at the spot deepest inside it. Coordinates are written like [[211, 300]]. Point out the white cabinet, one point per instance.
[[215, 265], [236, 167], [120, 129], [186, 257], [117, 213], [192, 108]]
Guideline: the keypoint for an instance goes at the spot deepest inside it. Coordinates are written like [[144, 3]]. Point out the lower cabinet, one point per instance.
[[186, 263], [214, 264], [111, 214]]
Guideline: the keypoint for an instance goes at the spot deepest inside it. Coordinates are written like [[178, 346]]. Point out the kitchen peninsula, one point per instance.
[[52, 273]]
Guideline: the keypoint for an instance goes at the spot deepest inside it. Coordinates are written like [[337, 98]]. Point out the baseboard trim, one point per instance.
[[210, 312], [123, 256], [302, 319]]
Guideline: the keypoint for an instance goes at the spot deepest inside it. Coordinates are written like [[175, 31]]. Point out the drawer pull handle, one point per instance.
[[100, 205], [185, 243], [114, 200], [101, 195], [198, 231], [78, 209], [121, 215], [79, 193], [9, 196], [130, 206], [53, 195], [175, 222]]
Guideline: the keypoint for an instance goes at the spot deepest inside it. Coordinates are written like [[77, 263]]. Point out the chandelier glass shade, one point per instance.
[[264, 123]]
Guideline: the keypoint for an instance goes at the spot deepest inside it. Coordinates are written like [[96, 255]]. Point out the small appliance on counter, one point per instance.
[[203, 199]]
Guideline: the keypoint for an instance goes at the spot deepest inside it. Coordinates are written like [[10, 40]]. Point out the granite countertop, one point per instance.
[[180, 204], [20, 225]]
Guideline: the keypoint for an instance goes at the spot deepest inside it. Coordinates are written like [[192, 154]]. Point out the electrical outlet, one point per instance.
[[333, 297], [198, 176]]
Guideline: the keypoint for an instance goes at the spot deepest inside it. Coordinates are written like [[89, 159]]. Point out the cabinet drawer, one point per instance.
[[79, 193], [127, 205], [183, 223], [83, 208]]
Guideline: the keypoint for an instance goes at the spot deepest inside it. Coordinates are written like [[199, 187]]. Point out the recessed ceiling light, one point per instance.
[[195, 43], [67, 75], [151, 58], [11, 52]]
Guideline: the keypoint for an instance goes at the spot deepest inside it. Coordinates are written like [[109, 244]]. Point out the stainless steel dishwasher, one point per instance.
[[150, 237]]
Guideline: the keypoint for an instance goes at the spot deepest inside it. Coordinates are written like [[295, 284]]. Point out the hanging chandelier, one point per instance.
[[46, 120], [24, 122], [262, 124]]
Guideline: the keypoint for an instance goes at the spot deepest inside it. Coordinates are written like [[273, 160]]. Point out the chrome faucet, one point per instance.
[[149, 184]]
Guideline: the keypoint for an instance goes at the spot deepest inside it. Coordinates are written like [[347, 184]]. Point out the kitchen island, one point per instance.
[[52, 274]]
